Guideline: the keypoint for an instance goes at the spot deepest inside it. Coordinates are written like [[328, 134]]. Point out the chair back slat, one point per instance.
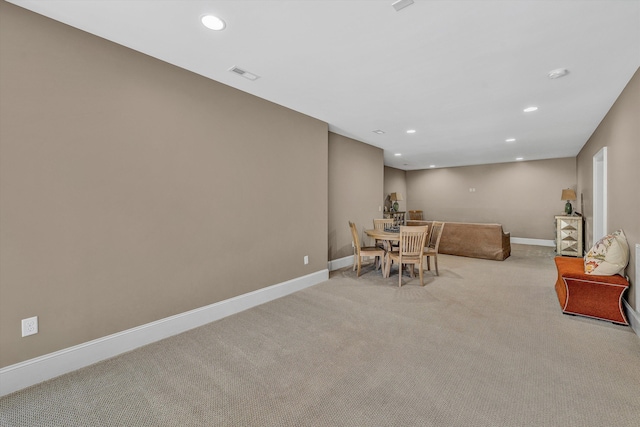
[[381, 224], [412, 240]]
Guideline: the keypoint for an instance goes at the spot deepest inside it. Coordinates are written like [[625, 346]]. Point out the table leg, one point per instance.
[[387, 247]]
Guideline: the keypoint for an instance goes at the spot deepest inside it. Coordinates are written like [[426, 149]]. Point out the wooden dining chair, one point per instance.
[[364, 251], [381, 224], [410, 251], [415, 214], [432, 245]]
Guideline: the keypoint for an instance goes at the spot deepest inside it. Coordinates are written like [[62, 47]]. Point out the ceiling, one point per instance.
[[458, 72]]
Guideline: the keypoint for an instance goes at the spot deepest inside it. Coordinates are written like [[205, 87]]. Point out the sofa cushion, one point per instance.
[[608, 256]]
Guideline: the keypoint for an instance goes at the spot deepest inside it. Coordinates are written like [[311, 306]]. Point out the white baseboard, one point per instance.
[[633, 317], [339, 263], [535, 242], [33, 371]]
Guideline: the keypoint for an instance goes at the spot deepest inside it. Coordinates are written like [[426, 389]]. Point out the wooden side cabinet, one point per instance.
[[569, 235], [398, 217]]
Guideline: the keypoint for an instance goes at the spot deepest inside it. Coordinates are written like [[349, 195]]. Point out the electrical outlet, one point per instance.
[[29, 326], [306, 259]]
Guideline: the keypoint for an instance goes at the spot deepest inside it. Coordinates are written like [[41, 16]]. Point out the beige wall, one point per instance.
[[395, 181], [619, 131], [522, 196], [355, 181], [132, 190]]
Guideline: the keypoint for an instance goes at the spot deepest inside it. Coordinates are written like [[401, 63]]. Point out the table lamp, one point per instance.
[[568, 195], [395, 197]]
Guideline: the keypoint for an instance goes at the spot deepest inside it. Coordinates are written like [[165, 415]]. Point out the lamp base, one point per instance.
[[396, 206], [568, 208]]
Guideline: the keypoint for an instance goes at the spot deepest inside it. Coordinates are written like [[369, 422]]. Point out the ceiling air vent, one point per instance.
[[401, 4], [244, 73]]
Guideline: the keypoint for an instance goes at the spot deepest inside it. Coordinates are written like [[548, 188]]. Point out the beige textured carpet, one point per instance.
[[484, 344]]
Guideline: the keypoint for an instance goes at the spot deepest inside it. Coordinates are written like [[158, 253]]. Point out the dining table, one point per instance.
[[387, 237]]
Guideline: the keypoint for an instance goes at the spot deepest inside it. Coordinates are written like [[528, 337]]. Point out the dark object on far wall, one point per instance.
[[568, 195]]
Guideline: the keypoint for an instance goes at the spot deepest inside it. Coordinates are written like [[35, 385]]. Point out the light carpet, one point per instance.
[[483, 344]]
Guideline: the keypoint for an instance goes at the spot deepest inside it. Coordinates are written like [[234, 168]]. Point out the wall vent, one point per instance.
[[244, 73]]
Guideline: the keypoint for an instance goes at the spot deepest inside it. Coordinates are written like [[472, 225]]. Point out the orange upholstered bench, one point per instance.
[[589, 295]]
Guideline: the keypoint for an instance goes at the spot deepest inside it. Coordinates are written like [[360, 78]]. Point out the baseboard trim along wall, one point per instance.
[[534, 242], [633, 317], [339, 263], [30, 372]]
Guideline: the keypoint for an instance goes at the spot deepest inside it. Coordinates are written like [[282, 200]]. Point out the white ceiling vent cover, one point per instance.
[[244, 73], [401, 4]]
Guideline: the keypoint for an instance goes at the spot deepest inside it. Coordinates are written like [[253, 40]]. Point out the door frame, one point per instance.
[[599, 195]]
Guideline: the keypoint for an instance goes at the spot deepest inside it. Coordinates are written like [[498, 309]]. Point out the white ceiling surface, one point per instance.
[[458, 72]]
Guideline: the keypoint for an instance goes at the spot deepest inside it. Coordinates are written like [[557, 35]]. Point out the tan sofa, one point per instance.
[[487, 241]]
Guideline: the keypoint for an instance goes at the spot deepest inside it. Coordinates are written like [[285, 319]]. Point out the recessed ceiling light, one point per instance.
[[411, 131], [557, 73], [378, 131], [212, 22], [519, 158], [510, 140], [530, 109], [432, 166], [398, 154]]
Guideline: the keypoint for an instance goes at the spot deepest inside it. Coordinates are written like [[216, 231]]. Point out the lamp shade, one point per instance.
[[396, 197], [568, 194]]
